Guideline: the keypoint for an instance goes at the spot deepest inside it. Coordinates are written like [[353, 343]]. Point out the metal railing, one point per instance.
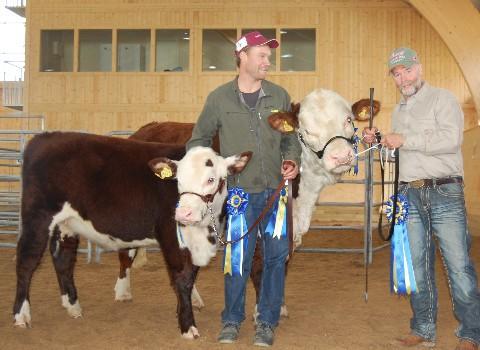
[[12, 93]]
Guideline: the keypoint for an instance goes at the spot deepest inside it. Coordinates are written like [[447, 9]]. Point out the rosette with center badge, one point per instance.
[[237, 202]]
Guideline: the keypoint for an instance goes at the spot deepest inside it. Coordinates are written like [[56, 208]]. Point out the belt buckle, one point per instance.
[[417, 183]]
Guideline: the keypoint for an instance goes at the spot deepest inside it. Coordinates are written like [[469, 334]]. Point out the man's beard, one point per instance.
[[411, 90]]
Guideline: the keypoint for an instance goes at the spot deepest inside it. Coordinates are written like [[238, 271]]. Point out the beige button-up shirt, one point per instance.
[[431, 122]]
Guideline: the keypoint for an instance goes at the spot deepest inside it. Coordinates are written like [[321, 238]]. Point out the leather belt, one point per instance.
[[432, 182]]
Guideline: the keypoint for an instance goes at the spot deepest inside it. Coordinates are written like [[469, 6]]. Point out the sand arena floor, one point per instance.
[[324, 294]]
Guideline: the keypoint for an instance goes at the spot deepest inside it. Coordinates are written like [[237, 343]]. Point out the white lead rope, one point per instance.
[[383, 153]]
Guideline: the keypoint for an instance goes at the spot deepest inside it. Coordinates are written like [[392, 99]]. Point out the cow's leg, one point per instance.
[[256, 275], [30, 248], [183, 282], [122, 287], [197, 300], [64, 256]]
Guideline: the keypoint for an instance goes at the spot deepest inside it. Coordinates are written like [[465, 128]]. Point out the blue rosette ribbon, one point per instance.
[[237, 202], [277, 223], [402, 277]]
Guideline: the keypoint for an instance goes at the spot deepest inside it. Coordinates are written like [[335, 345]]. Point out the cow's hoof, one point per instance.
[[23, 319], [74, 310], [191, 334], [122, 290], [284, 311]]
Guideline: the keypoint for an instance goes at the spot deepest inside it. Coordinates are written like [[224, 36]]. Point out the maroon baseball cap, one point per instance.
[[254, 39]]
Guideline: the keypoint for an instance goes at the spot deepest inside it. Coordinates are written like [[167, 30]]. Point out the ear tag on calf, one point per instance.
[[165, 173], [237, 202], [286, 126], [402, 277]]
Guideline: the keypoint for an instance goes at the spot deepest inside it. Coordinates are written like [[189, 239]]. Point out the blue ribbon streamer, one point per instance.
[[277, 223], [237, 202], [402, 277], [356, 140]]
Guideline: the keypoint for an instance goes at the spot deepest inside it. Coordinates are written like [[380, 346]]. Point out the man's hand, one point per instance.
[[368, 135], [393, 140], [289, 169]]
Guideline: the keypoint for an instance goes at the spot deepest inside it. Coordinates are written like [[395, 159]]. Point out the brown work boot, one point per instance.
[[412, 340], [466, 345]]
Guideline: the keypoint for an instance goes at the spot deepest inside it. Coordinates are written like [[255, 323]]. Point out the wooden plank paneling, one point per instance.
[[354, 39]]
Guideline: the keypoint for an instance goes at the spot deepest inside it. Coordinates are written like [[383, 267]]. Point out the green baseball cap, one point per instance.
[[403, 56]]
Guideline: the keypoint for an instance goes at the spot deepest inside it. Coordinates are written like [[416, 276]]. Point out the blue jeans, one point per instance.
[[275, 252], [440, 212]]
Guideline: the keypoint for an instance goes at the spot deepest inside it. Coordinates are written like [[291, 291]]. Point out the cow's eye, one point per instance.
[[211, 180]]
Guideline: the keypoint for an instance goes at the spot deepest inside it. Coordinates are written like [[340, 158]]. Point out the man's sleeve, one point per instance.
[[206, 126], [446, 135]]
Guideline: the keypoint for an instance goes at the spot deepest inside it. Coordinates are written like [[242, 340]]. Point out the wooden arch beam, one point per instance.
[[458, 24]]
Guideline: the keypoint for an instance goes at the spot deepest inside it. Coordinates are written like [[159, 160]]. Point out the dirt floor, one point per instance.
[[324, 294]]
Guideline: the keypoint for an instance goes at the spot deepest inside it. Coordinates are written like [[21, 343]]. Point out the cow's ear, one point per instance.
[[238, 162], [361, 109], [164, 168], [285, 122]]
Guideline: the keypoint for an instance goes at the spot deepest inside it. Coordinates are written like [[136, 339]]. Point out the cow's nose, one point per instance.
[[343, 157], [183, 214]]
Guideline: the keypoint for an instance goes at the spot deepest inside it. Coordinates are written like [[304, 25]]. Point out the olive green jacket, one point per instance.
[[243, 129]]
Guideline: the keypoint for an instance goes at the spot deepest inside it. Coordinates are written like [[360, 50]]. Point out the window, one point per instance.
[[297, 49], [218, 48], [269, 34], [56, 53], [133, 50], [172, 50], [95, 50]]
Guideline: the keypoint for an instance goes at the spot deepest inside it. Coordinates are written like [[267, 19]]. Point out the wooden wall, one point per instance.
[[354, 39]]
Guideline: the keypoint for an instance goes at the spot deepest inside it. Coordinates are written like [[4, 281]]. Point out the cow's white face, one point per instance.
[[325, 114], [201, 176]]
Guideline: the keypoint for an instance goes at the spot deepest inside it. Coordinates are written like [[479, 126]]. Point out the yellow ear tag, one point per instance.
[[165, 173], [286, 126], [363, 113]]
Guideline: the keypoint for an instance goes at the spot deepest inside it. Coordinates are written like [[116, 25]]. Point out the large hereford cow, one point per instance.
[[326, 132], [109, 190]]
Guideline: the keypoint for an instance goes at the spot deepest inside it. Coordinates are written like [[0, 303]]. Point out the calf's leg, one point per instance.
[[122, 287], [30, 248], [64, 257]]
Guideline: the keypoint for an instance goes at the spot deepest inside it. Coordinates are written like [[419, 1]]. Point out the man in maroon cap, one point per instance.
[[239, 111]]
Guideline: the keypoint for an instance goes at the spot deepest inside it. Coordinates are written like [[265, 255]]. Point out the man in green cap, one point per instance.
[[428, 130]]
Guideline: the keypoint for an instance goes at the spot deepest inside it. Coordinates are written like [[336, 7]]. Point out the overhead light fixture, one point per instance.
[[283, 31], [212, 67], [287, 55]]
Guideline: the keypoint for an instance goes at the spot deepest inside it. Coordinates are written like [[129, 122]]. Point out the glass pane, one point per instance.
[[133, 50], [297, 49], [56, 53], [172, 50], [95, 50], [218, 49], [269, 34]]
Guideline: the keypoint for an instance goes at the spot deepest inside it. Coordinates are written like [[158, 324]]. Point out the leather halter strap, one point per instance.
[[207, 198], [322, 151]]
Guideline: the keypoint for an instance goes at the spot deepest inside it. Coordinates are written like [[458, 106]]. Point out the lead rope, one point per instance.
[[269, 205]]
